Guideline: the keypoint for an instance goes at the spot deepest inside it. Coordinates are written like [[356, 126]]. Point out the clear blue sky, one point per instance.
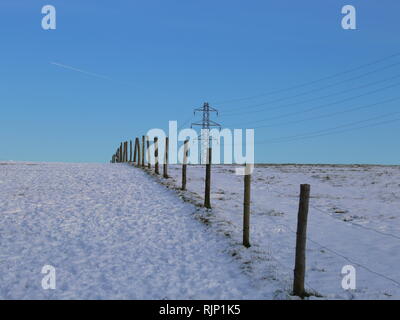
[[162, 58]]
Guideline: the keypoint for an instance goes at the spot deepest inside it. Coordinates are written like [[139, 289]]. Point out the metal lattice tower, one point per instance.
[[205, 124]]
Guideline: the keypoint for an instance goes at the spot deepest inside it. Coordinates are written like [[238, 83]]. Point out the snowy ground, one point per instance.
[[353, 220], [111, 232]]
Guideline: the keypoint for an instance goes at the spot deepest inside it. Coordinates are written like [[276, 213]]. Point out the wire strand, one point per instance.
[[313, 81]]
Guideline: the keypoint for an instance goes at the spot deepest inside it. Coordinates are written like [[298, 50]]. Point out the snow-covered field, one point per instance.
[[354, 219], [113, 231]]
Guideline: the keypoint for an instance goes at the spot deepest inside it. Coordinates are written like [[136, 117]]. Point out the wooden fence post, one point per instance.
[[207, 191], [120, 153], [246, 207], [165, 165], [148, 152], [125, 151], [130, 152], [138, 152], [135, 152], [156, 169], [143, 148], [301, 236], [184, 165]]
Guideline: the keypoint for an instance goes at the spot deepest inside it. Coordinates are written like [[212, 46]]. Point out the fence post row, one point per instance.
[[184, 165], [207, 191], [301, 236], [165, 164], [121, 155], [246, 207], [156, 169]]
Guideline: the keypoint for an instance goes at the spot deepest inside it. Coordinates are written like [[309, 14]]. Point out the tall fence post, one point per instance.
[[165, 164], [301, 236], [135, 152], [246, 206], [207, 191], [156, 169], [125, 151], [138, 152], [130, 151], [148, 152], [184, 165], [120, 153], [143, 148]]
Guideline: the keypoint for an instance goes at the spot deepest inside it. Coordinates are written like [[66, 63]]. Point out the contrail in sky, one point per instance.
[[86, 72]]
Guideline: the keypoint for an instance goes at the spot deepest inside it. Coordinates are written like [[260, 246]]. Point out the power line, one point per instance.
[[312, 82], [311, 135], [228, 112], [313, 99], [346, 130], [328, 115], [321, 106], [306, 135]]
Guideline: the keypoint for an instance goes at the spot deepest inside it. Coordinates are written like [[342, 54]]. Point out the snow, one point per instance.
[[113, 231], [353, 220]]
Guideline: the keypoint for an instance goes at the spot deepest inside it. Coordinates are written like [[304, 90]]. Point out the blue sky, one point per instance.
[[163, 58]]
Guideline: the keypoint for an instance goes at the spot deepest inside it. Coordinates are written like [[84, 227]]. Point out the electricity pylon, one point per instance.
[[205, 124]]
